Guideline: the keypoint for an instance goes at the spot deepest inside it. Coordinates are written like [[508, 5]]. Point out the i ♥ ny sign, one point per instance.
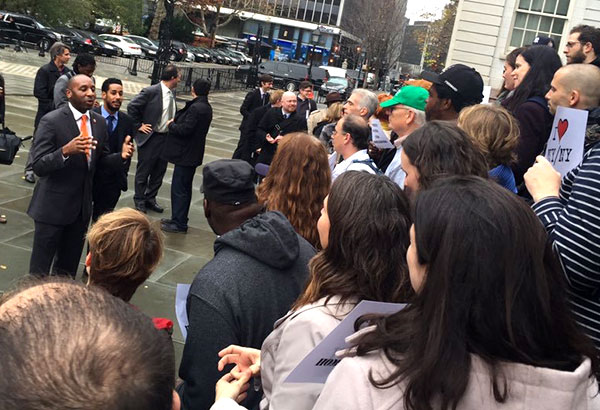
[[567, 138]]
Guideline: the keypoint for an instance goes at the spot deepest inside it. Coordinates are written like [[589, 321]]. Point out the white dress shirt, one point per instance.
[[77, 115], [167, 98], [349, 165]]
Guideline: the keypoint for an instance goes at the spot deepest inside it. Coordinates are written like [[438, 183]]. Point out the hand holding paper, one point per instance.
[[542, 180], [380, 138]]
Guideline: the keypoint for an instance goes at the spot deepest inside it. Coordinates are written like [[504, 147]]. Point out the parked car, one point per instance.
[[178, 51], [337, 84], [149, 48], [244, 57], [126, 46], [27, 30], [78, 42], [100, 47], [287, 75], [235, 59], [225, 58], [201, 54]]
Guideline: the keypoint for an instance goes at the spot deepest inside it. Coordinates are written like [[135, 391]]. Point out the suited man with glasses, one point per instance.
[[152, 110]]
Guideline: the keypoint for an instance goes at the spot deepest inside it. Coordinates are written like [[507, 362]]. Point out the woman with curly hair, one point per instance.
[[496, 133], [298, 181]]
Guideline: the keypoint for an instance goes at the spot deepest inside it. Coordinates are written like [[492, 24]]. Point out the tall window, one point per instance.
[[539, 17]]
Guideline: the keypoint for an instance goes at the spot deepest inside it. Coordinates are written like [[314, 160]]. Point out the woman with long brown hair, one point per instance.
[[489, 327], [299, 178], [363, 230]]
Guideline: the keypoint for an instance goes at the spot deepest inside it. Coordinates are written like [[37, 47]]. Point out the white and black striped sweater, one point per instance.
[[573, 224]]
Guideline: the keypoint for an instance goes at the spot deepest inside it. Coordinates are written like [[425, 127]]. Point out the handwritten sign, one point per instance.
[[380, 138], [181, 295], [317, 365], [565, 144]]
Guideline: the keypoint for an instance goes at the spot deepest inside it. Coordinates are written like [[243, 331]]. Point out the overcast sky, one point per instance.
[[415, 8]]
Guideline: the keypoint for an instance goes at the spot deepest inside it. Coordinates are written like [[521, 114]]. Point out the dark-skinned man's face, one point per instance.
[[113, 98], [81, 93]]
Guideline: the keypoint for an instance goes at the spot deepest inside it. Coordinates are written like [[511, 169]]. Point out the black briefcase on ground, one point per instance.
[[9, 145]]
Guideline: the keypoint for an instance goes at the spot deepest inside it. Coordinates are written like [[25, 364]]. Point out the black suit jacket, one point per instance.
[[187, 133], [147, 108], [43, 88], [111, 176], [63, 191], [274, 124], [251, 102]]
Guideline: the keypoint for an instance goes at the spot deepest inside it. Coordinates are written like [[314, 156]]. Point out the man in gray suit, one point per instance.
[[152, 110], [69, 144]]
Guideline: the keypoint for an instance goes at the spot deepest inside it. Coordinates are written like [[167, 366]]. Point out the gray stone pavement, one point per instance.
[[184, 254]]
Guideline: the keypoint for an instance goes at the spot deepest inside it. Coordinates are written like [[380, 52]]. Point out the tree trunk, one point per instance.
[[159, 15], [213, 26]]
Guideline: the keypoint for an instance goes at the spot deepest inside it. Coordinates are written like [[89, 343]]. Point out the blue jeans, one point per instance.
[[181, 194]]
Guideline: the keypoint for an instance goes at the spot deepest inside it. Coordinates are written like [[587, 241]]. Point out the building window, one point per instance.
[[539, 17]]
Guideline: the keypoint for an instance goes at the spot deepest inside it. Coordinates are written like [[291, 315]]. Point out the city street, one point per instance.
[[184, 254]]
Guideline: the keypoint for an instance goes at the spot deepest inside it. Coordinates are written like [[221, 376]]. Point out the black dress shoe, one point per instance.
[[154, 206], [172, 227], [166, 220], [140, 206]]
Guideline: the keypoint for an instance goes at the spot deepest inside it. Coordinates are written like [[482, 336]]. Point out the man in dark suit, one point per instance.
[[306, 104], [69, 143], [151, 110], [275, 124], [255, 118], [109, 182], [185, 148], [256, 98], [43, 89]]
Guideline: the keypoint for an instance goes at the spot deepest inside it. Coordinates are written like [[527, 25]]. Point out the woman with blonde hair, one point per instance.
[[496, 133], [298, 181]]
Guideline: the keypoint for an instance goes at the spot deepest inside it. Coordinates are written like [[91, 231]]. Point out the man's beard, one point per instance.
[[578, 58]]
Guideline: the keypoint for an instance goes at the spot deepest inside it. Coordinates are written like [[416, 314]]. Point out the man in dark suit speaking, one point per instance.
[[253, 100], [69, 143], [110, 181], [151, 111]]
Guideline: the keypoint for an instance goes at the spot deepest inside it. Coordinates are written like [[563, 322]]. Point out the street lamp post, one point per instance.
[[315, 37]]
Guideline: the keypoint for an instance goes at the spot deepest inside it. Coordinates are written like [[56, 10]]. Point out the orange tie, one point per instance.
[[84, 133]]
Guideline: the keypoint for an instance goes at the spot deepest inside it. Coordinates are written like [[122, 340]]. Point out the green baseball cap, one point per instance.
[[409, 95]]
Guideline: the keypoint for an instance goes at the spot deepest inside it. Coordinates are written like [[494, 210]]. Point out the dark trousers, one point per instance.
[[181, 194], [61, 244], [150, 169], [105, 197]]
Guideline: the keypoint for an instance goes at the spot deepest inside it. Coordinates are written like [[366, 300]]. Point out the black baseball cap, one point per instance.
[[543, 41], [228, 181], [462, 79]]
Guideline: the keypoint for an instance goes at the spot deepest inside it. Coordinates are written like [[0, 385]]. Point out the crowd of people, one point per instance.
[[495, 255]]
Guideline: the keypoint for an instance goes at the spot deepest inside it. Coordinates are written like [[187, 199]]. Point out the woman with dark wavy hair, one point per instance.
[[439, 149], [534, 69], [363, 230], [299, 179], [489, 327]]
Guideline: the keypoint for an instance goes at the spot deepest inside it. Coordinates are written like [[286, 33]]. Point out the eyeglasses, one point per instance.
[[571, 44]]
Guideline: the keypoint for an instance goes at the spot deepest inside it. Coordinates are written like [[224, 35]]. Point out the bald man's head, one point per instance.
[[289, 101], [575, 86], [68, 346], [81, 92]]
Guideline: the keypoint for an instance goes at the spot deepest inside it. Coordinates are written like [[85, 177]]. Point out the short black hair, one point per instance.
[[588, 34], [169, 72], [83, 60], [305, 84], [201, 86], [106, 84], [358, 129], [120, 361], [265, 78]]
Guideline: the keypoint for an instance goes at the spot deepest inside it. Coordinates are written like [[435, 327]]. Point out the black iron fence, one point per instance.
[[221, 78]]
